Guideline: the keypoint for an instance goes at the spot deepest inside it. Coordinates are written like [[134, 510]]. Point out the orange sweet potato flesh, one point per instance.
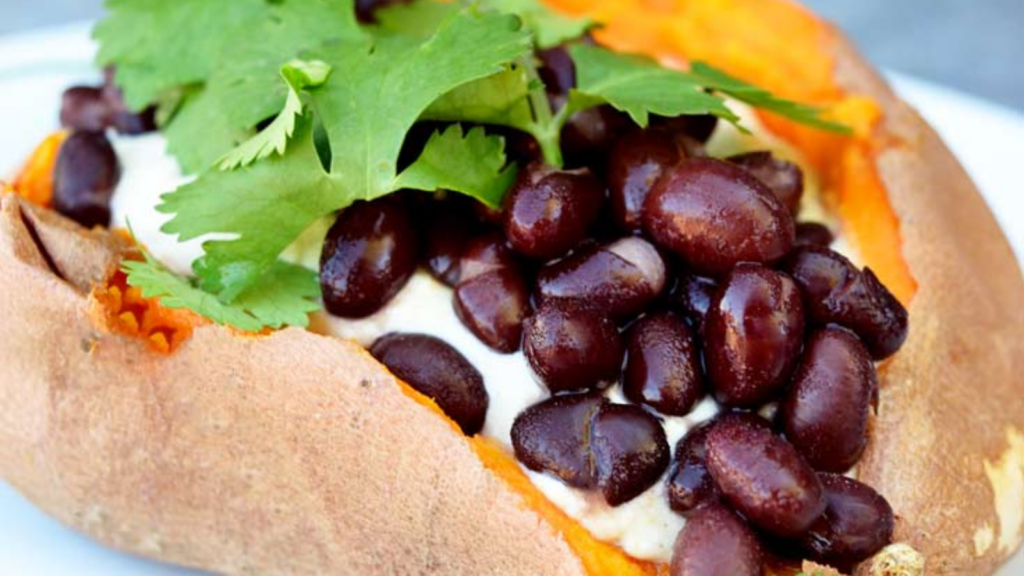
[[35, 180]]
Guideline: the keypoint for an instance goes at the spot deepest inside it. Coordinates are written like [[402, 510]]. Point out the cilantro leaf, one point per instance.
[[378, 91], [286, 297], [716, 79], [200, 133], [417, 19], [638, 86], [298, 75], [159, 45], [500, 99], [549, 27], [267, 205], [474, 164], [247, 81]]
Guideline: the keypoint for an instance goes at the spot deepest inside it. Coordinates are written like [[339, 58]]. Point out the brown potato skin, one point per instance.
[[209, 458]]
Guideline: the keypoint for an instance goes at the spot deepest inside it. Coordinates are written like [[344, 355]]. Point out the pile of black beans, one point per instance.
[[87, 168], [649, 265]]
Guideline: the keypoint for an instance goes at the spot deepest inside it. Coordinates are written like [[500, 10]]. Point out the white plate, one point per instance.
[[34, 70]]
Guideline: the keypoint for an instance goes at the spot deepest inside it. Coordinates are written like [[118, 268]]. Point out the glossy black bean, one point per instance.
[[763, 477], [557, 70], [620, 279], [716, 542], [699, 127], [753, 333], [493, 306], [630, 451], [554, 437], [588, 136], [690, 485], [663, 367], [548, 212], [437, 371], [450, 226], [825, 411], [714, 214], [836, 292], [83, 108], [572, 348], [485, 253], [84, 178], [783, 177], [691, 296], [123, 119], [369, 254], [857, 523], [813, 234], [636, 162]]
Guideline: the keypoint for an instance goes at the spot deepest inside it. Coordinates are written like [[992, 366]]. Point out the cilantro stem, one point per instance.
[[546, 127]]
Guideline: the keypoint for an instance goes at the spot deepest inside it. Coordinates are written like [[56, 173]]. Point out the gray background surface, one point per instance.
[[973, 45]]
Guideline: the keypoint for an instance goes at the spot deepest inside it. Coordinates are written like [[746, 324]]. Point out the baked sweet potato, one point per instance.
[[293, 453]]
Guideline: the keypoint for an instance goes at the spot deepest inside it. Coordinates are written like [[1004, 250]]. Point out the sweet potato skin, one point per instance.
[[226, 457]]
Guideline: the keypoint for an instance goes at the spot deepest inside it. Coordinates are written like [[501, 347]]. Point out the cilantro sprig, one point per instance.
[[289, 111]]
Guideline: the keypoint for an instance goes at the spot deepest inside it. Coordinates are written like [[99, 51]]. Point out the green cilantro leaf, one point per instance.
[[500, 99], [550, 28], [759, 98], [200, 133], [638, 86], [248, 83], [285, 296], [298, 75], [267, 204], [472, 164], [378, 92], [159, 45], [417, 19]]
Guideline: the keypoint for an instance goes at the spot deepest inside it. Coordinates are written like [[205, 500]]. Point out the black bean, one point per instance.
[[857, 524], [438, 371], [572, 348], [714, 214], [716, 542], [663, 368], [493, 306], [690, 485], [836, 292], [485, 253], [752, 335], [825, 411], [784, 178], [699, 127], [636, 162], [621, 278], [84, 178], [691, 296], [813, 234], [630, 451], [450, 227], [764, 478], [84, 108], [589, 134], [554, 437], [369, 254], [590, 443], [548, 212]]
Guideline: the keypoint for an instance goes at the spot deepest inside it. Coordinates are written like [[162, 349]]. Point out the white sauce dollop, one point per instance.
[[645, 527]]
